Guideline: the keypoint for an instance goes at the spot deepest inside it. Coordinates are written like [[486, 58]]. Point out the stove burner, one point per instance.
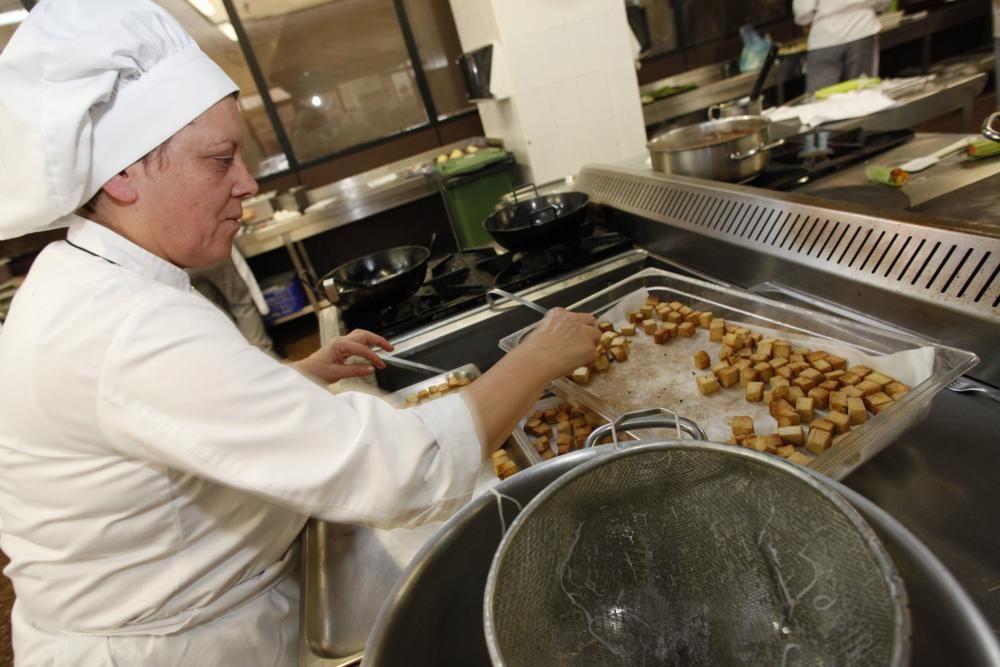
[[807, 157], [460, 281]]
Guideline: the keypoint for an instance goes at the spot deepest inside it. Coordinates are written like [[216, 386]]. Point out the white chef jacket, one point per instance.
[[836, 22], [155, 469]]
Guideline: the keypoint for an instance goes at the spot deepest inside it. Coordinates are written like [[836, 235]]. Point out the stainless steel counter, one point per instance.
[[349, 200]]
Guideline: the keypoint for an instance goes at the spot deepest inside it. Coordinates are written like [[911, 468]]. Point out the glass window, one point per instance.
[[208, 24], [343, 66], [437, 43]]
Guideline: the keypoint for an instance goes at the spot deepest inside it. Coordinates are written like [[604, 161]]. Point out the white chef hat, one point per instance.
[[88, 87]]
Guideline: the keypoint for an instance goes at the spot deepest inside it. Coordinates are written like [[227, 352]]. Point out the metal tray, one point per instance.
[[862, 442], [398, 398]]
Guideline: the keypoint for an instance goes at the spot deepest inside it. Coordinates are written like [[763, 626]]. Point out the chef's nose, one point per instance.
[[245, 185]]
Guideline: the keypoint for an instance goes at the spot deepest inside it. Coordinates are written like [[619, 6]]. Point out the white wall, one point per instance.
[[570, 74]]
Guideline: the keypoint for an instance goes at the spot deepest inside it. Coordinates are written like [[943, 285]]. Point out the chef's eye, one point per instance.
[[225, 160]]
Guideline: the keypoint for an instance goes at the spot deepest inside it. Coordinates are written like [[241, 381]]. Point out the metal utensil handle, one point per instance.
[[988, 131], [513, 297], [513, 193], [755, 150], [412, 365], [650, 418]]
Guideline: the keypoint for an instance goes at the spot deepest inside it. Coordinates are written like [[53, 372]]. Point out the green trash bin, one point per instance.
[[471, 187]]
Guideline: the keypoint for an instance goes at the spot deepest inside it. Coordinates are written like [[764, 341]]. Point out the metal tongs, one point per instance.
[[496, 291], [411, 365]]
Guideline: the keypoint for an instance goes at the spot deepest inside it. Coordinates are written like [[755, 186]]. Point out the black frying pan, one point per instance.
[[379, 279], [538, 222]]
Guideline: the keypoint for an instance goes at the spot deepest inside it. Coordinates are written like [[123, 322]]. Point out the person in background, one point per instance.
[[843, 39], [155, 468]]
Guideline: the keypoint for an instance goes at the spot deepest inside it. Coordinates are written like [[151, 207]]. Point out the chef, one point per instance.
[[843, 39], [155, 468]]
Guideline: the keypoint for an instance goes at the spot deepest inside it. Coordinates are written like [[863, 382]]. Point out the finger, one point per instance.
[[355, 370], [368, 338], [361, 350]]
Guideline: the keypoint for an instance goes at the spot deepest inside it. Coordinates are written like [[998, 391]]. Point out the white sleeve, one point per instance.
[[198, 398], [803, 11]]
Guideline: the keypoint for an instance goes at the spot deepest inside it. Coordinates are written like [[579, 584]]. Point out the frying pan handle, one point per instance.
[[756, 149], [513, 193], [651, 418], [332, 290]]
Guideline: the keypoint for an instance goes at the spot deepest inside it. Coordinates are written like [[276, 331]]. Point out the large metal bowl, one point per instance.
[[434, 614], [730, 149]]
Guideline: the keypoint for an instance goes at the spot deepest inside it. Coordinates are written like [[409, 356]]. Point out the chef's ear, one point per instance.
[[122, 187]]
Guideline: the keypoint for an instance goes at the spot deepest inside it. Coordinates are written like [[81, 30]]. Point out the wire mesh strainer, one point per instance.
[[684, 553]]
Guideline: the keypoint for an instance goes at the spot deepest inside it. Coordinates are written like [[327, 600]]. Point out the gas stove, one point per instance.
[[460, 281], [807, 157]]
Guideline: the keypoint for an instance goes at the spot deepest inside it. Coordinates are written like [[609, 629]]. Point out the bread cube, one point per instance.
[[812, 357], [794, 394], [853, 391], [647, 310], [605, 326], [830, 385], [755, 391], [602, 363], [627, 329], [581, 375], [801, 458], [875, 399], [821, 424], [606, 339], [619, 353], [849, 379], [806, 409], [896, 390], [804, 383], [819, 441], [649, 326], [743, 425], [661, 335], [785, 451], [838, 401], [879, 407], [707, 384], [841, 422], [716, 330], [860, 371], [729, 376], [782, 348], [868, 387], [784, 371], [675, 317], [838, 363], [747, 375], [701, 360], [856, 411], [705, 319], [686, 329], [764, 370], [821, 397], [792, 435]]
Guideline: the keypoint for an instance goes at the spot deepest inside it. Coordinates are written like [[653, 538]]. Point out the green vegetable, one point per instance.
[[983, 148], [847, 87], [883, 175]]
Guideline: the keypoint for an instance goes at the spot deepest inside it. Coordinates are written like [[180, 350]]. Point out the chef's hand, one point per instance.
[[564, 341], [329, 363]]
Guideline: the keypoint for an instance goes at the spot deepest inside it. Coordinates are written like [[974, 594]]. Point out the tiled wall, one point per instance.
[[569, 67]]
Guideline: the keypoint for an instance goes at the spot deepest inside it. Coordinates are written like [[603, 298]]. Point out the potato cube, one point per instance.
[[702, 360], [789, 419], [860, 371], [875, 399], [661, 335], [551, 415], [726, 353], [692, 317], [581, 375], [805, 383], [757, 357], [782, 348], [838, 401], [652, 300], [766, 347], [819, 441], [830, 385], [564, 439], [606, 339], [755, 391], [675, 317], [833, 375], [841, 422], [742, 425], [729, 376], [760, 443], [764, 371], [619, 353], [856, 411], [868, 387], [670, 328], [896, 390], [627, 329], [662, 311], [812, 374], [602, 363], [423, 393], [815, 356], [779, 391], [797, 367], [778, 362], [733, 341], [718, 367], [822, 366], [593, 418], [747, 375], [705, 319], [684, 310], [742, 364], [686, 329], [800, 458], [794, 394], [796, 358], [791, 435], [605, 326], [785, 450], [549, 454], [563, 449], [619, 341], [821, 397], [784, 371], [773, 441], [806, 409], [707, 384], [635, 317], [649, 326], [647, 310]]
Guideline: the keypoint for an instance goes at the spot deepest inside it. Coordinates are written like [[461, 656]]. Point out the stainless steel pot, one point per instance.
[[731, 149], [744, 106]]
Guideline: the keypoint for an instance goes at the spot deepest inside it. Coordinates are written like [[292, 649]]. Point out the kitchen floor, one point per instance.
[[300, 338]]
